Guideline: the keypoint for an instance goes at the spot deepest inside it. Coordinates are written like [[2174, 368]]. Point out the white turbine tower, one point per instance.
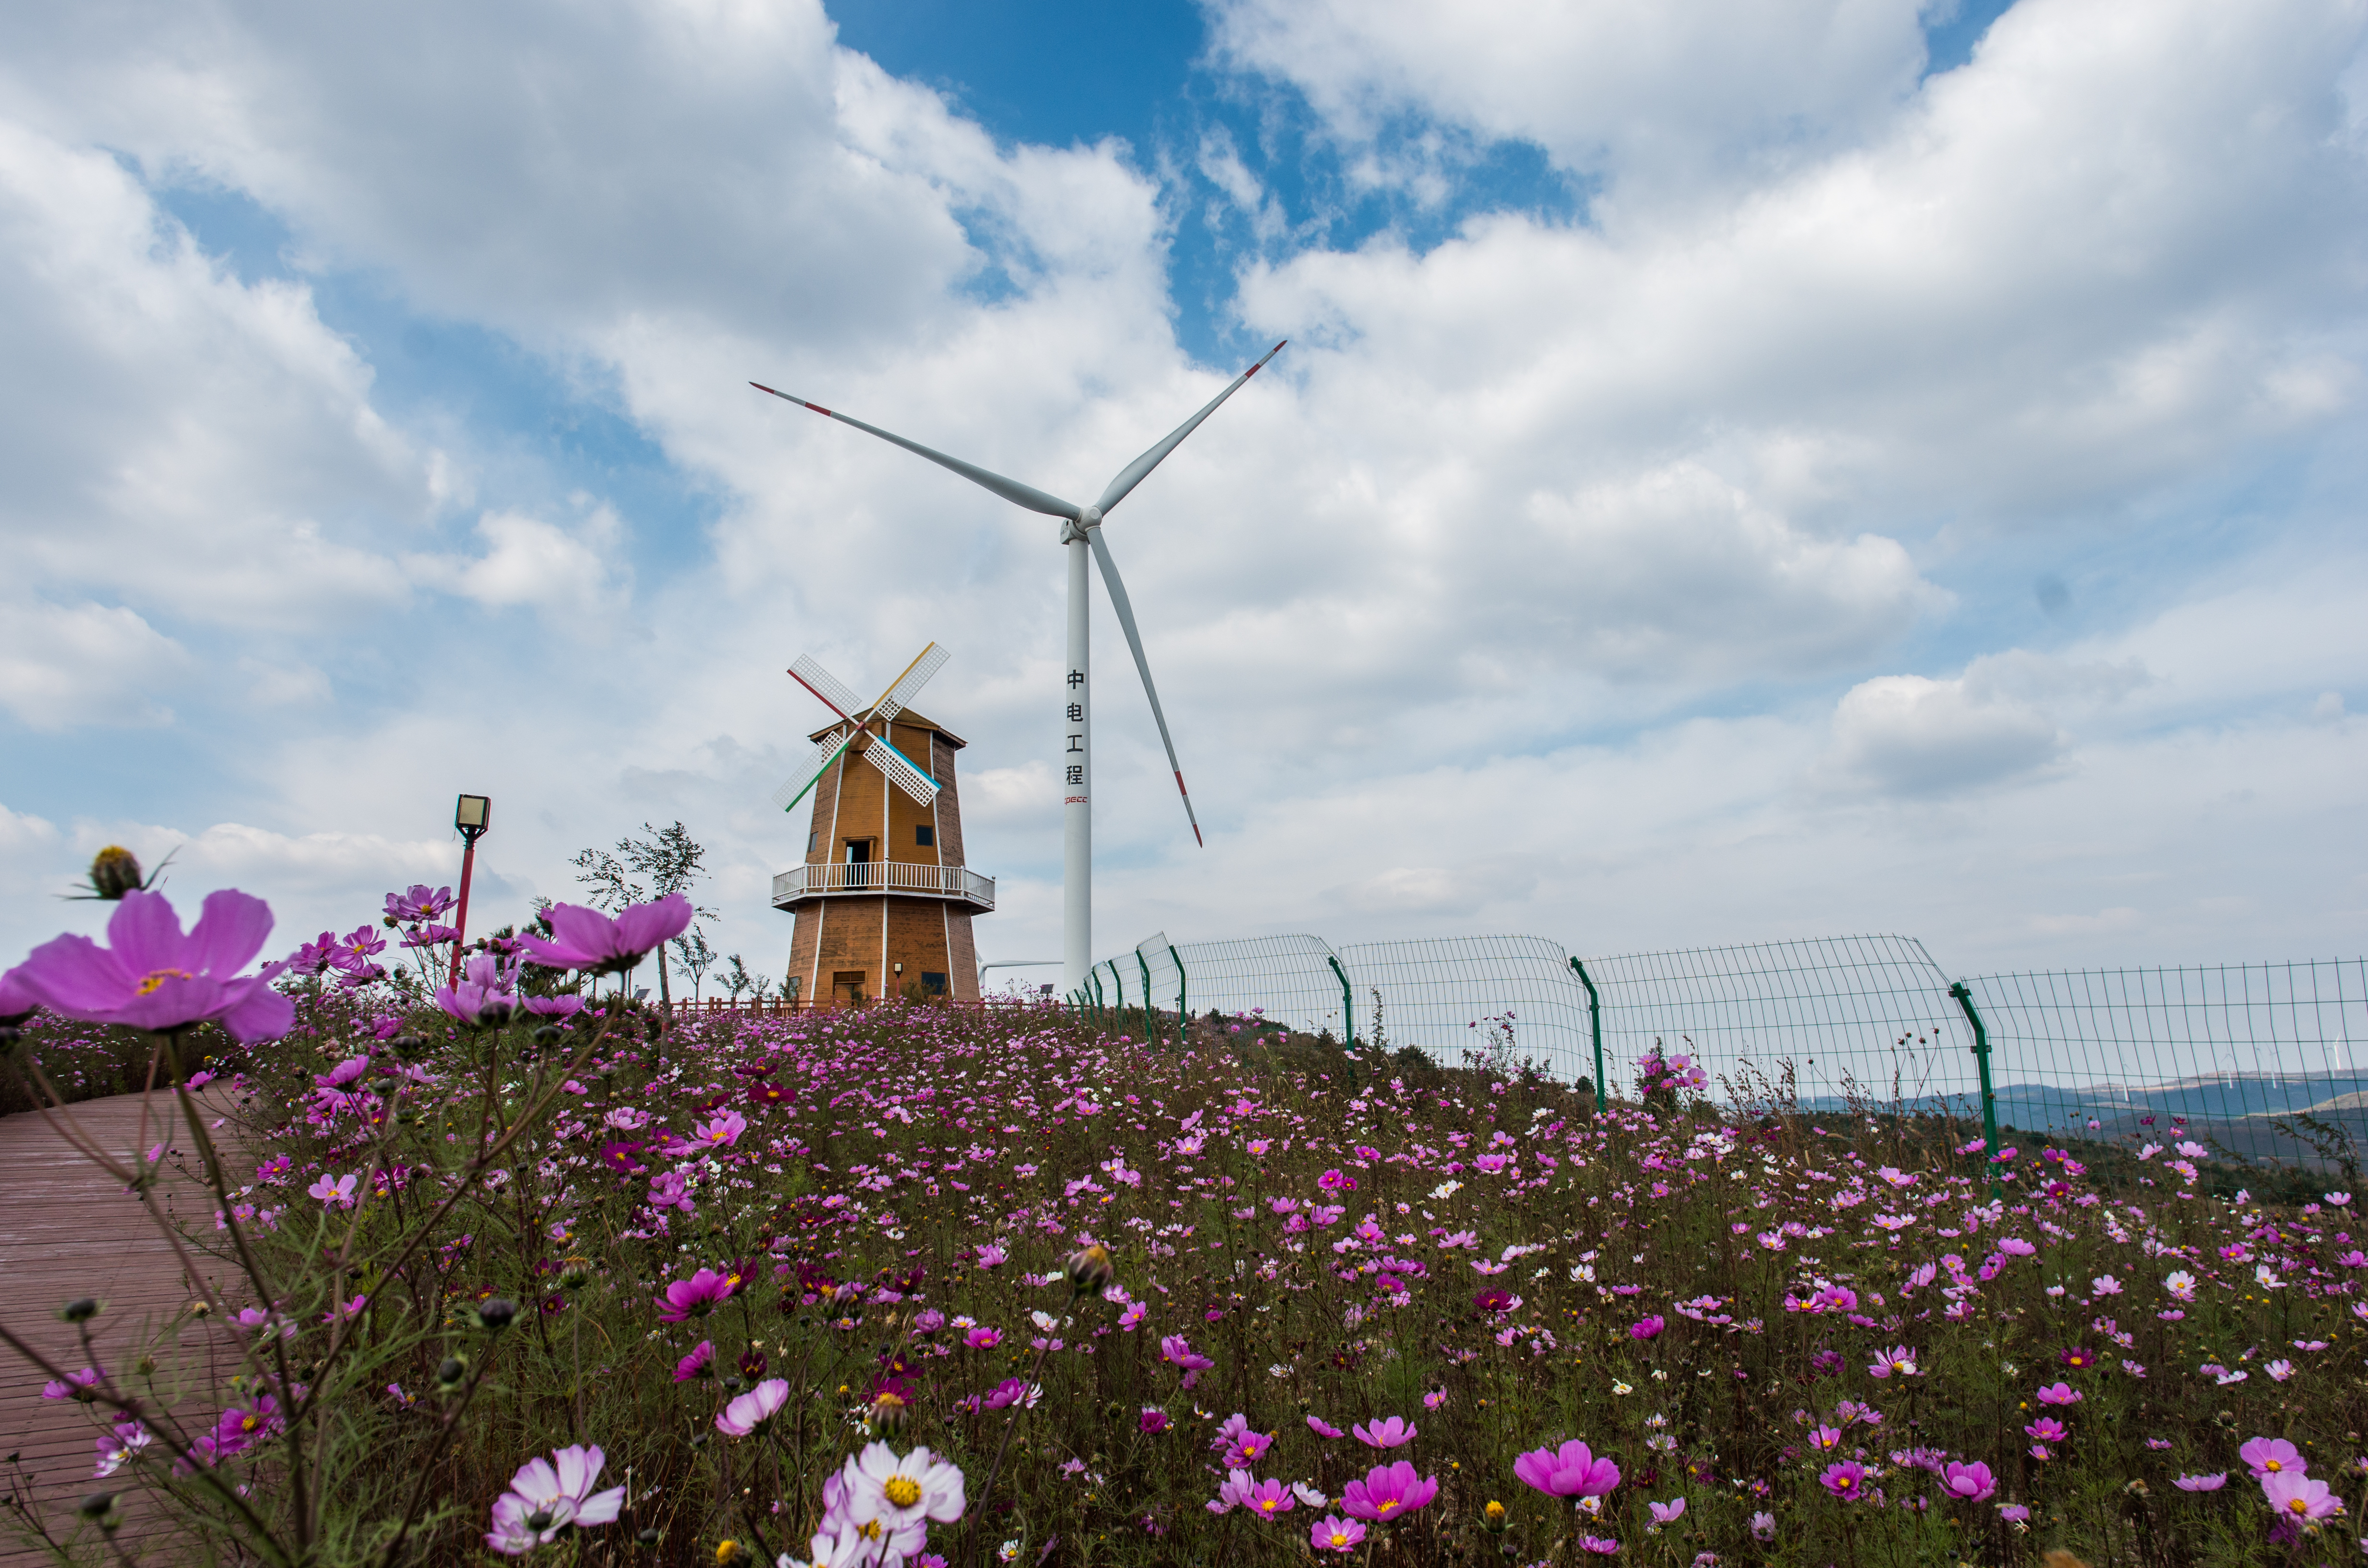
[[1081, 530]]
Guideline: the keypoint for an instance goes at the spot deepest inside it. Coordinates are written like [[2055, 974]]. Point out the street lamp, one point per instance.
[[471, 815]]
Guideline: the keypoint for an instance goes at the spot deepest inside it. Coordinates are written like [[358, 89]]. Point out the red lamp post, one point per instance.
[[471, 817]]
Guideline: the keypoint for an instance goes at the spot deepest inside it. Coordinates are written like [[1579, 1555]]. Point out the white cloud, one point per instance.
[[532, 563], [67, 666]]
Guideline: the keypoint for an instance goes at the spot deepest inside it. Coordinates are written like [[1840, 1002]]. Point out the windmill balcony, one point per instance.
[[956, 882]]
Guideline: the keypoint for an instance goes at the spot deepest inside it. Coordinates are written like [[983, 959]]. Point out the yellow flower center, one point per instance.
[[1385, 1508], [2271, 1464], [1267, 1504], [2298, 1506], [873, 1531], [1340, 1538], [902, 1490], [149, 981]]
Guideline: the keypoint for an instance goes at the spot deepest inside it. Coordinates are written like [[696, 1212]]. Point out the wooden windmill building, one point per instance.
[[883, 901]]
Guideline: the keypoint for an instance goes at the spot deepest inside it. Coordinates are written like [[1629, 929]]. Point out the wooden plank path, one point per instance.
[[68, 1230]]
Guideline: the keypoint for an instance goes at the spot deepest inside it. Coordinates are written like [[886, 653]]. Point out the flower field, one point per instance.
[[919, 1284]]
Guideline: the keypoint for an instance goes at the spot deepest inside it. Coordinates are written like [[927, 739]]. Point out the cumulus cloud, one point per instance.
[[64, 666]]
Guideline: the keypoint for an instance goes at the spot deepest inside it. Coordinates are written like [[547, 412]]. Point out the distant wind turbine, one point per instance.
[[1081, 530]]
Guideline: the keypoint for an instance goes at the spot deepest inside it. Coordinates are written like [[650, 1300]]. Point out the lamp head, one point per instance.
[[474, 814]]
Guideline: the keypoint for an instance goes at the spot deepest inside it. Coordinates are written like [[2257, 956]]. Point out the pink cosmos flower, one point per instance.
[[1572, 1470], [695, 1296], [753, 1409], [73, 1385], [1265, 1498], [1336, 1534], [990, 1255], [1175, 1350], [2060, 1393], [152, 977], [1154, 1419], [1668, 1513], [1390, 1434], [721, 1132], [1898, 1359], [244, 1426], [487, 994], [119, 1447], [338, 1190], [2272, 1456], [1388, 1492], [2201, 1483], [1322, 1429], [549, 1497], [16, 1003], [1599, 1545], [2296, 1496], [1845, 1481], [1972, 1482], [2046, 1430], [696, 1364], [983, 1337], [588, 940], [1648, 1327], [565, 1005]]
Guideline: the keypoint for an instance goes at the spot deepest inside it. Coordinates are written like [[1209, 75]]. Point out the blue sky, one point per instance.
[[1730, 479]]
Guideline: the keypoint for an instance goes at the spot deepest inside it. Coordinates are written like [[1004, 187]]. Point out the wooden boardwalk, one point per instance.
[[67, 1229]]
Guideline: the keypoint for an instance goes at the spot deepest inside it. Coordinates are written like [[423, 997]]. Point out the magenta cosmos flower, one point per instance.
[[152, 977], [1388, 1492], [586, 940], [1572, 1470], [2267, 1456], [1648, 1327], [2212, 1482], [1972, 1483], [1845, 1479], [693, 1297], [1333, 1533], [1389, 1434]]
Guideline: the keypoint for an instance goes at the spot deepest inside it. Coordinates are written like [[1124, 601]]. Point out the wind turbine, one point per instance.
[[1081, 530]]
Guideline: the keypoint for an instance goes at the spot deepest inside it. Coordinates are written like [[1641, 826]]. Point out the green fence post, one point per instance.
[[1348, 1002], [1594, 1028], [1982, 1063], [1183, 1012], [1150, 1019]]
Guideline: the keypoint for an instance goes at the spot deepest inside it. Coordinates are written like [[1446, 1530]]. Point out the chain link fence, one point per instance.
[[2258, 1061]]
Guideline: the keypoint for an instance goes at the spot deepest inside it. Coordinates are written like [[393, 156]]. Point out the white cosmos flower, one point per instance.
[[900, 1492]]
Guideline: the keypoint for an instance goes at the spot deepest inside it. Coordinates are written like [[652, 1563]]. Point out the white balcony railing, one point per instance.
[[884, 876]]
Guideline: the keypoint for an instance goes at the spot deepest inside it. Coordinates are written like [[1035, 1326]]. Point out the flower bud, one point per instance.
[[1494, 1516], [450, 1373], [497, 1315], [1089, 1268], [100, 1508], [406, 1045], [82, 1309], [114, 871], [546, 1034], [650, 1535]]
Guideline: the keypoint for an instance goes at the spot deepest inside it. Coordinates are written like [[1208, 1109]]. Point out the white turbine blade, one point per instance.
[[824, 685], [818, 762], [1131, 475], [1012, 490], [916, 675], [902, 771], [1143, 666]]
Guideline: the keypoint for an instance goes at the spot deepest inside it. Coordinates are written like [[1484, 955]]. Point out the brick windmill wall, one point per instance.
[[885, 883]]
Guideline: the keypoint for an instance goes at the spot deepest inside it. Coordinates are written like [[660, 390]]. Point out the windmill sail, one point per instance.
[[902, 771], [818, 762], [916, 675]]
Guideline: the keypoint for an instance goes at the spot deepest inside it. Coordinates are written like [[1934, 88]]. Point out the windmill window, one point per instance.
[[925, 836], [932, 984], [814, 836]]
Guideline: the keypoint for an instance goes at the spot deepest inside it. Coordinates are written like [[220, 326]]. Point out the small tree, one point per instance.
[[670, 860], [735, 977], [695, 955]]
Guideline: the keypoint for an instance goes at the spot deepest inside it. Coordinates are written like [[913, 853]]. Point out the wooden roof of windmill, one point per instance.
[[909, 716]]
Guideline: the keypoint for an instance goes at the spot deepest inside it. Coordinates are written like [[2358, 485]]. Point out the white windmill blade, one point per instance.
[[902, 771], [1012, 490], [1143, 667], [833, 692], [818, 762], [901, 689], [1132, 473]]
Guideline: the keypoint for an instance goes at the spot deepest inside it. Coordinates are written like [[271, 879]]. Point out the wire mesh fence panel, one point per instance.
[[1164, 974], [1505, 998], [1288, 979], [1868, 1018], [2257, 1059]]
